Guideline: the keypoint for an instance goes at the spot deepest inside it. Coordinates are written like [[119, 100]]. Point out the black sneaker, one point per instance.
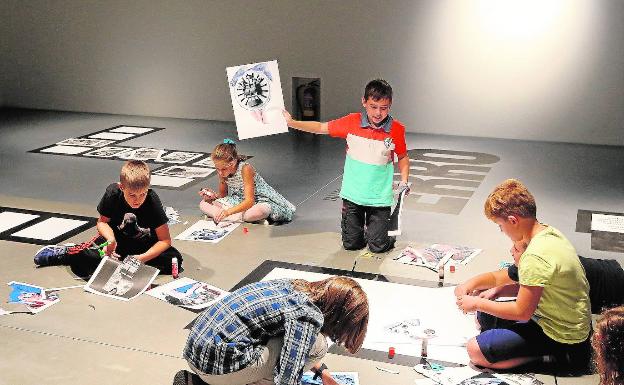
[[50, 255], [184, 377]]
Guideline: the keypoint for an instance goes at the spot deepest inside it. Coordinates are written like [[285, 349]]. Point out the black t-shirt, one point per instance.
[[605, 278], [134, 228]]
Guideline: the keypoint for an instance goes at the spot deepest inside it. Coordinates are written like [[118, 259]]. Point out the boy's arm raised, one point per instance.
[[307, 126]]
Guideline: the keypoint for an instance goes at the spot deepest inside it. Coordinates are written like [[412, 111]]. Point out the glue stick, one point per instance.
[[174, 267]]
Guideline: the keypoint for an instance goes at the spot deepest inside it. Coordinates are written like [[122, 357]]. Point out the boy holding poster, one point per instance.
[[373, 138]]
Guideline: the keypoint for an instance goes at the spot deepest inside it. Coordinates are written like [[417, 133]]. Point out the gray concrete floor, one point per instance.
[[91, 339]]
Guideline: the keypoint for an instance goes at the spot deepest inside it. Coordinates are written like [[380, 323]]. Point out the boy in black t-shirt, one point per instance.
[[132, 221]]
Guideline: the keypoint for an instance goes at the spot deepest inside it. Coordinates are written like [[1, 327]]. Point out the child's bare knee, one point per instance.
[[475, 354]]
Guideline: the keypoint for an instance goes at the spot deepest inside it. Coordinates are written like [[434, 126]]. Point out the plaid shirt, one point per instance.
[[232, 333]]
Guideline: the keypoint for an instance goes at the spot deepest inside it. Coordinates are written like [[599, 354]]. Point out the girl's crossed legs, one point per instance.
[[255, 213]]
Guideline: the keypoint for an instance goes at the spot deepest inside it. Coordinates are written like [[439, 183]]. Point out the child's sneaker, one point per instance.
[[184, 377], [50, 255]]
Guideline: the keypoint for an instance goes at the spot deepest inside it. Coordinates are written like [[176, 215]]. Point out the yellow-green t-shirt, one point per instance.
[[550, 261]]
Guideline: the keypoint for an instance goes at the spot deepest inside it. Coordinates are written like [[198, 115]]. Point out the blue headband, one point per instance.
[[228, 141]]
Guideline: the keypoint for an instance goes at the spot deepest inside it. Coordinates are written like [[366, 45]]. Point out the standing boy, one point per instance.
[[132, 221], [373, 138], [552, 309]]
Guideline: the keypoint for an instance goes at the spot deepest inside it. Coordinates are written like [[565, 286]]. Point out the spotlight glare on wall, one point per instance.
[[518, 19]]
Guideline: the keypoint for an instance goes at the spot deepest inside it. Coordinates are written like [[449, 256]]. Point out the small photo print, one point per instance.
[[144, 153], [185, 171], [179, 157], [412, 328], [436, 255], [85, 142], [33, 297], [206, 162], [421, 257], [121, 280], [107, 152], [207, 231], [343, 378], [188, 293]]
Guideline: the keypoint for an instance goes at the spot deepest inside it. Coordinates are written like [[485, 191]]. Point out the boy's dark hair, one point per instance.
[[378, 89]]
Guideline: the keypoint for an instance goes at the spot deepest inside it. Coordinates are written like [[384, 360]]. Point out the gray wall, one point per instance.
[[543, 70]]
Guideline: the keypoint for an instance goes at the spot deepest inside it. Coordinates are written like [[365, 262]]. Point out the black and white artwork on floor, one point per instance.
[[121, 280], [143, 153], [178, 157], [40, 227], [108, 152], [206, 162], [85, 142], [184, 171]]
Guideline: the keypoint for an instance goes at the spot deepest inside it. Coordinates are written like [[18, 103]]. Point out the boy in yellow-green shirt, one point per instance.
[[551, 315]]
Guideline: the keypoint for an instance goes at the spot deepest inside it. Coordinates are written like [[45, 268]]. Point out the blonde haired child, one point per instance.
[[243, 194]]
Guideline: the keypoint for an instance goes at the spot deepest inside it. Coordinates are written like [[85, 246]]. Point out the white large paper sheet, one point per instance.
[[49, 228], [70, 150], [257, 99], [132, 129], [11, 219], [169, 181], [111, 135], [390, 303]]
